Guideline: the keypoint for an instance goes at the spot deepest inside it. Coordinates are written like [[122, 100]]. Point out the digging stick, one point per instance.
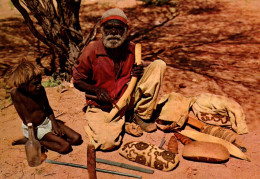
[[91, 161], [93, 97], [97, 169]]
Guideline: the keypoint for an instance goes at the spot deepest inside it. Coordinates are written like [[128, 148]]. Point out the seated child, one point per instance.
[[32, 105]]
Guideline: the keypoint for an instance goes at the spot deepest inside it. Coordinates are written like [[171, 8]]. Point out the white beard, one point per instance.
[[113, 41]]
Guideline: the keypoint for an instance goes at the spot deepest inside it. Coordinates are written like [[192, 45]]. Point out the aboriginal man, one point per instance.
[[104, 70]]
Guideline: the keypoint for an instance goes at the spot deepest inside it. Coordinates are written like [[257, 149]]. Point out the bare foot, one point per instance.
[[20, 141], [43, 157]]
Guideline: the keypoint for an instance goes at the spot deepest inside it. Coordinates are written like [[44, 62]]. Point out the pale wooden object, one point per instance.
[[205, 152], [233, 150], [122, 101], [202, 151]]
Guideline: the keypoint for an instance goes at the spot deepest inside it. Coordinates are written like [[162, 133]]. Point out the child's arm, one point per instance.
[[49, 112]]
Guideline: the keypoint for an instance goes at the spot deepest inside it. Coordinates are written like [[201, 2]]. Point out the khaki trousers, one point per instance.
[[107, 136]]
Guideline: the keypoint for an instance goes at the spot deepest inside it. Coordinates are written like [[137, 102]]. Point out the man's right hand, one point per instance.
[[103, 96]]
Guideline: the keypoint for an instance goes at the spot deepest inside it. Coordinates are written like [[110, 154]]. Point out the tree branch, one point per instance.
[[49, 7], [29, 23], [70, 15], [50, 26], [151, 28]]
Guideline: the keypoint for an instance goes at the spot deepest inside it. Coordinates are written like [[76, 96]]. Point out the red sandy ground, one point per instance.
[[239, 79]]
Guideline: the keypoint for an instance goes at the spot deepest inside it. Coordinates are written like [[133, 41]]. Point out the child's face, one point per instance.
[[34, 86]]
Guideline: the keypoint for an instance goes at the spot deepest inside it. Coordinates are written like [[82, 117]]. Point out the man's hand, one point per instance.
[[137, 70], [103, 96]]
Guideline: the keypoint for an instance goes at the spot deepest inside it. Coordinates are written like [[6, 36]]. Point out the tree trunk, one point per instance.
[[60, 28]]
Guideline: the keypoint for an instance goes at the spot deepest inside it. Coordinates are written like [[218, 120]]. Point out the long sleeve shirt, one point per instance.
[[96, 68]]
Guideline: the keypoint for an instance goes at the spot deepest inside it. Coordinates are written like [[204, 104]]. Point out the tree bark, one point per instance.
[[60, 28]]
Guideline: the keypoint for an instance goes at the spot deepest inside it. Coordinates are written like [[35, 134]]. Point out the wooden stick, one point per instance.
[[7, 106], [93, 97], [97, 169], [59, 115], [122, 101], [91, 161], [195, 123]]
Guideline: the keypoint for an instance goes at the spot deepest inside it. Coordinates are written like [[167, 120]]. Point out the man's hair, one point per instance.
[[22, 73]]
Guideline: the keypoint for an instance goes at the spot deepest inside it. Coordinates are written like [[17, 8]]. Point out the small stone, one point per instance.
[[182, 85]]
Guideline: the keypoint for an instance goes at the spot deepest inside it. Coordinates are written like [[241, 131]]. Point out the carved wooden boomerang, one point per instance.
[[198, 124]]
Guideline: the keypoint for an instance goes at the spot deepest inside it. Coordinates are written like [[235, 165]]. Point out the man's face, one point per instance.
[[114, 33]]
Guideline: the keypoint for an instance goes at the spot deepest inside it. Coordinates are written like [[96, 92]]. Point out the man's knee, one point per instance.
[[65, 148], [159, 64], [76, 140]]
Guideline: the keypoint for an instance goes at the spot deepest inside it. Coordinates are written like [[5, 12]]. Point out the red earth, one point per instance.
[[211, 46]]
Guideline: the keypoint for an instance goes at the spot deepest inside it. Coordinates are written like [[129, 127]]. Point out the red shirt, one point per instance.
[[96, 68]]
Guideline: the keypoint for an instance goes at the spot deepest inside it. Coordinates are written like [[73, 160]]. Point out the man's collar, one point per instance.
[[101, 49]]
